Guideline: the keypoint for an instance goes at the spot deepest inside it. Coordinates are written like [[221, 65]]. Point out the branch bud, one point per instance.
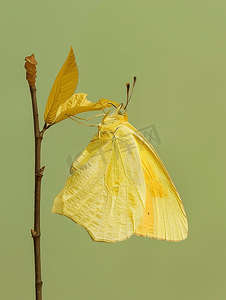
[[30, 66]]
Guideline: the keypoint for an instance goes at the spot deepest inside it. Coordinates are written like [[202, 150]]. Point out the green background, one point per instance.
[[177, 51]]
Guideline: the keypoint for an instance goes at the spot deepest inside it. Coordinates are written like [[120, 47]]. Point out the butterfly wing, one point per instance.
[[106, 191], [164, 216]]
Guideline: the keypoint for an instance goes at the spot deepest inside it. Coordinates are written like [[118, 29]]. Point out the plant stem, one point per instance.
[[36, 233], [30, 66]]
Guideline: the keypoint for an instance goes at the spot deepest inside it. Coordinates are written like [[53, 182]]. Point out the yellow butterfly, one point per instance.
[[119, 186]]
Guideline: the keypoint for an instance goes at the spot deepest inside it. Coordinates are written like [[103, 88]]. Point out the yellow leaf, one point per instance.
[[119, 187], [78, 103], [63, 87]]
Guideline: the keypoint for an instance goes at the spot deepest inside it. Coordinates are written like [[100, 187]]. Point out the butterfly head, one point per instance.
[[118, 114], [121, 109]]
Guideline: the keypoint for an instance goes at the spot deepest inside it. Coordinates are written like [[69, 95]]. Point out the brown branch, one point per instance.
[[30, 66]]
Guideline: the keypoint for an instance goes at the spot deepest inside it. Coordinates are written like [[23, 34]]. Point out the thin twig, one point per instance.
[[36, 232]]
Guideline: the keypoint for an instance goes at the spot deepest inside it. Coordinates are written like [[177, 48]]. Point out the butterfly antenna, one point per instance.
[[127, 98], [134, 82], [128, 86]]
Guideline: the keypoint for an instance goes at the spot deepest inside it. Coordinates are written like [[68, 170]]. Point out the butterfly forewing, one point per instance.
[[164, 215]]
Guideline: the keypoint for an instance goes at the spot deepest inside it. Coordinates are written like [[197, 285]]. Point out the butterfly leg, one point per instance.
[[89, 118], [82, 122]]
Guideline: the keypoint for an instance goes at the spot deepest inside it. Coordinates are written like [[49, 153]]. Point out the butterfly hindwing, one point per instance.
[[106, 191]]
